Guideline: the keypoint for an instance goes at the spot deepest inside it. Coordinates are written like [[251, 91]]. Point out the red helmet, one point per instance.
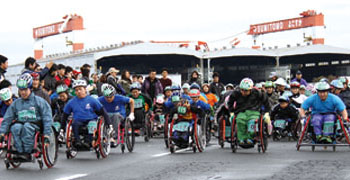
[[194, 93], [295, 84], [35, 75]]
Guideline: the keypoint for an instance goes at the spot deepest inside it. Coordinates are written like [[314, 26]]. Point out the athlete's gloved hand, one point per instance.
[[303, 120], [131, 116], [46, 140]]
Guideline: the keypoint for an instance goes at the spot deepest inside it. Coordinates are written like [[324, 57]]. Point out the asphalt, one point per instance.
[[152, 161]]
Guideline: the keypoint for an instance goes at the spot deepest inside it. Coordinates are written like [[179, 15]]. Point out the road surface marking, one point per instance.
[[72, 177]]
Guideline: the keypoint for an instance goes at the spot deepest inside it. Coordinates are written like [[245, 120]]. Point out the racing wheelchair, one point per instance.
[[125, 135], [95, 134], [41, 152], [281, 131], [185, 133], [340, 134], [260, 129]]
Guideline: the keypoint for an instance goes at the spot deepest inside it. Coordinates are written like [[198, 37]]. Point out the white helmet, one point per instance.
[[5, 94], [78, 83], [281, 82]]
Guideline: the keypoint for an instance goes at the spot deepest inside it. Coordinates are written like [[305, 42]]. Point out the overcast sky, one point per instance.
[[110, 22]]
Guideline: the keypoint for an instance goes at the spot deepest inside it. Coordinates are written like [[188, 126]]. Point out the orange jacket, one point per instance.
[[212, 99]]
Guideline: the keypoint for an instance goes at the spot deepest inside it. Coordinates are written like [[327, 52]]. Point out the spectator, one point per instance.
[[125, 81], [68, 76], [151, 85], [37, 89], [102, 80], [37, 68], [112, 80], [30, 64], [298, 78], [85, 71], [194, 78], [50, 80], [134, 78], [140, 79], [165, 81], [61, 73], [3, 67], [216, 87]]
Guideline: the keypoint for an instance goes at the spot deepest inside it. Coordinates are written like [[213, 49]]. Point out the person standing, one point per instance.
[[151, 85], [30, 64], [3, 67], [125, 81], [216, 87], [299, 79], [112, 80], [50, 80], [165, 81]]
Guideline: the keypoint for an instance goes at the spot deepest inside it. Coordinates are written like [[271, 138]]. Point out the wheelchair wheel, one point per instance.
[[166, 132], [234, 143], [199, 136], [70, 152], [50, 152], [129, 135], [262, 135], [221, 132], [104, 139], [8, 156], [148, 129], [207, 129]]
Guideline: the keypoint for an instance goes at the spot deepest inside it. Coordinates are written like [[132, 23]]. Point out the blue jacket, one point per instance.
[[34, 109], [301, 81], [202, 105]]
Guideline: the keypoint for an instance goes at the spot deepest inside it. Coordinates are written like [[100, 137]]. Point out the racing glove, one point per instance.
[[131, 116], [303, 120]]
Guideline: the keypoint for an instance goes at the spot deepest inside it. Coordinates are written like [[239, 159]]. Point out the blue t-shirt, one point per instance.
[[83, 109], [116, 106], [332, 104]]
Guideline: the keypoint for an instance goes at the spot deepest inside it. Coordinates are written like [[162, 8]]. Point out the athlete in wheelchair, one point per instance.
[[27, 125], [115, 106], [90, 127], [284, 117], [142, 105], [324, 107], [185, 128], [248, 126], [57, 106]]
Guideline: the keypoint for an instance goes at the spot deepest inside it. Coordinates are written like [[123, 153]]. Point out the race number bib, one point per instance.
[[92, 127], [181, 126], [251, 125], [328, 127], [182, 110], [280, 124], [138, 103], [161, 118], [26, 115]]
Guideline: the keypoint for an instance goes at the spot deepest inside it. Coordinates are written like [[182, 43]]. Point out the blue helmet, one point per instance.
[[195, 86], [25, 81], [175, 87]]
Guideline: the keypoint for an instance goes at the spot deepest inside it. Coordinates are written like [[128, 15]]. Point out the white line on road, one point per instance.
[[72, 177]]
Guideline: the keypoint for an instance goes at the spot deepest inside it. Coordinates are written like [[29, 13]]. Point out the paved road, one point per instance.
[[152, 161]]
